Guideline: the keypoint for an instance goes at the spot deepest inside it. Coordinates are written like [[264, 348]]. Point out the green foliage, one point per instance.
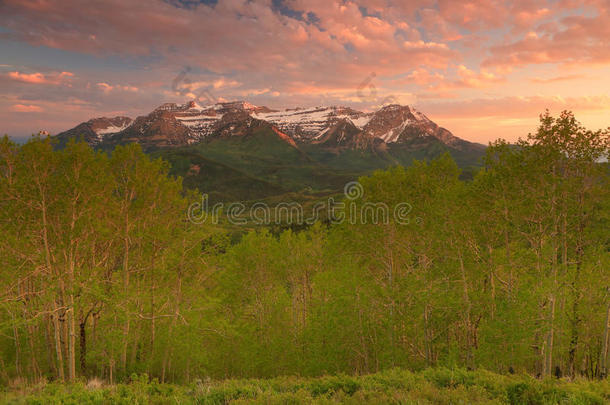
[[261, 165], [103, 276], [396, 386]]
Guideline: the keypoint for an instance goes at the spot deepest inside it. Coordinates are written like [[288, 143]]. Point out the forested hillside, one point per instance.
[[236, 151], [102, 274]]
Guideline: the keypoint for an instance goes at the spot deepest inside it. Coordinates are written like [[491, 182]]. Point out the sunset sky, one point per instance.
[[482, 69]]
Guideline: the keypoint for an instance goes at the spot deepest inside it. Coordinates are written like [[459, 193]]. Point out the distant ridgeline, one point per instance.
[[238, 151]]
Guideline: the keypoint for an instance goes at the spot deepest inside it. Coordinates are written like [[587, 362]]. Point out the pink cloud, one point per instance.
[[106, 88], [454, 78], [23, 108], [557, 79], [389, 36], [423, 77], [39, 78], [434, 23], [511, 117], [470, 78], [576, 39], [28, 78], [438, 49], [517, 106], [259, 39]]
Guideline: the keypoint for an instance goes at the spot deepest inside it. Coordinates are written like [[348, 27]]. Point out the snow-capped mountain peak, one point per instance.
[[174, 124], [97, 130]]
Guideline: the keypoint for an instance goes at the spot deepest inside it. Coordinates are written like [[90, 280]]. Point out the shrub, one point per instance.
[[523, 393]]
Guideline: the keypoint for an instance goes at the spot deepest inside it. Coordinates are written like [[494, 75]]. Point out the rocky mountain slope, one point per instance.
[[239, 151], [340, 127], [96, 130]]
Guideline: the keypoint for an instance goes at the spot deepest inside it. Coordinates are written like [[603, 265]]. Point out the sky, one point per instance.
[[482, 69]]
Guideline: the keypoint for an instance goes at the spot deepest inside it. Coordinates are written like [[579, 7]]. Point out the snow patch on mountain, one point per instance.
[[361, 121], [174, 124], [312, 123], [393, 134], [111, 129]]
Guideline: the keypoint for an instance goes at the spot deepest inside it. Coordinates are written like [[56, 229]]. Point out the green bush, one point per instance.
[[523, 393], [446, 378], [395, 386], [330, 385]]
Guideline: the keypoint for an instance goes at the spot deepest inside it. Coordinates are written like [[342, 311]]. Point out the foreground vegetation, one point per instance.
[[395, 386], [102, 275]]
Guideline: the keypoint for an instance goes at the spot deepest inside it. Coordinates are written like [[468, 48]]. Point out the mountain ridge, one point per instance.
[[240, 151], [172, 124]]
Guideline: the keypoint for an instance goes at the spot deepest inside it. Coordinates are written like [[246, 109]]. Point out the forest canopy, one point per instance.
[[103, 275]]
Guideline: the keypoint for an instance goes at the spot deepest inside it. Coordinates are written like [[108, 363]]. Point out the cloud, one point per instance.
[[517, 106], [302, 53], [437, 26], [234, 36], [511, 117], [54, 78], [257, 92], [571, 40], [470, 78], [454, 78], [28, 78], [240, 35], [423, 77], [22, 108], [557, 79], [107, 88], [39, 78]]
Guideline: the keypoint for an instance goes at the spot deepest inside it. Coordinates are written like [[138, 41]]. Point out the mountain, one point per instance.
[[96, 130], [391, 124], [241, 151], [178, 125]]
